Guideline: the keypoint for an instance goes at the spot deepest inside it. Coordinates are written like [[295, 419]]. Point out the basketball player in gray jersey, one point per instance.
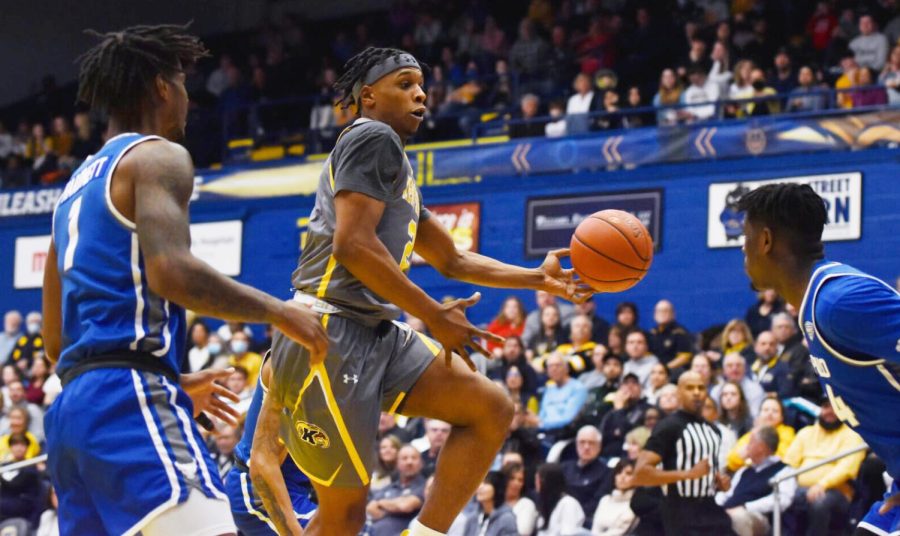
[[367, 221]]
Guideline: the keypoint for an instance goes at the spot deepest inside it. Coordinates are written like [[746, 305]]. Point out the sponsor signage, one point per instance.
[[462, 221]]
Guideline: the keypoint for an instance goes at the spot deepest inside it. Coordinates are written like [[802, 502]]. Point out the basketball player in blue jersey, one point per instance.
[[124, 454], [249, 513], [367, 221], [851, 322]]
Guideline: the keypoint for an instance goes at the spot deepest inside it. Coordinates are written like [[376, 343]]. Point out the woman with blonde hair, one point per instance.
[[740, 87], [771, 413], [669, 94], [388, 448], [737, 338]]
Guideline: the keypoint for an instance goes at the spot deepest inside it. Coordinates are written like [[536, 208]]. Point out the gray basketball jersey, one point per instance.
[[368, 158]]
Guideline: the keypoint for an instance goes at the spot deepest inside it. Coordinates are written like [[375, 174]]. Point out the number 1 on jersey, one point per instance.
[[74, 212]]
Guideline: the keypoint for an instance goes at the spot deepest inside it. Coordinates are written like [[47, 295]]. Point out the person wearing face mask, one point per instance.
[[826, 491], [28, 343], [243, 357], [12, 331], [762, 105]]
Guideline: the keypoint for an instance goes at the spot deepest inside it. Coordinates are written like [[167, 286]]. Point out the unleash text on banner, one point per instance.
[[842, 193]]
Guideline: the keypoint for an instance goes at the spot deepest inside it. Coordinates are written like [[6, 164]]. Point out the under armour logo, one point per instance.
[[351, 378]]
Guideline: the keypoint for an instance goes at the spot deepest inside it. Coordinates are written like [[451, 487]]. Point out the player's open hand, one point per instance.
[[209, 396], [304, 326], [456, 334], [563, 282]]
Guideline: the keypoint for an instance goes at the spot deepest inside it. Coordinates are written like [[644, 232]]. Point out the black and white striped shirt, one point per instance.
[[682, 440]]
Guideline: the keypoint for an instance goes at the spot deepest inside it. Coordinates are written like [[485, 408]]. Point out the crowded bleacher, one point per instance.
[[588, 385]]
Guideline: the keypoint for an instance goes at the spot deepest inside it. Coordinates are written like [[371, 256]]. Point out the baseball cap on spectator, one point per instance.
[[631, 376], [616, 357]]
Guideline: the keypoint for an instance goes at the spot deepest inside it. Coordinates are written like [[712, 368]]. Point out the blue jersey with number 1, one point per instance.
[[851, 321], [107, 305]]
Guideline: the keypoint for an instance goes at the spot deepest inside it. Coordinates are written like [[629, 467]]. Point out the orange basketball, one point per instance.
[[611, 250]]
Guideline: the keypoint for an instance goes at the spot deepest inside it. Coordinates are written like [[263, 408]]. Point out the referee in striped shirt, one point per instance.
[[688, 448]]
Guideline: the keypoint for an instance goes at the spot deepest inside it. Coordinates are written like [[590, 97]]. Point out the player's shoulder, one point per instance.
[[366, 130], [851, 292], [155, 151]]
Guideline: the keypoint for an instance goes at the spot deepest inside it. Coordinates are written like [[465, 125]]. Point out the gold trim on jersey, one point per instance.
[[397, 402], [435, 349], [326, 277]]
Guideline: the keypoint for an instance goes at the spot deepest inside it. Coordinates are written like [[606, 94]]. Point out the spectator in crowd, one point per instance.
[[669, 340], [387, 425], [62, 137], [16, 174], [703, 365], [615, 341], [20, 491], [534, 321], [771, 373], [527, 124], [824, 493], [513, 356], [595, 376], [659, 378], [392, 508], [388, 448], [868, 95], [563, 397], [613, 516], [35, 413], [640, 360], [86, 141], [49, 522], [29, 343], [581, 103], [199, 357], [550, 336], [737, 338], [39, 373], [556, 128], [870, 47], [783, 79], [523, 507], [729, 438], [740, 87], [700, 97], [588, 478], [720, 72], [599, 325], [734, 412], [635, 441], [492, 516], [764, 100], [514, 383], [222, 450], [436, 434], [242, 356], [600, 398], [238, 383], [560, 514], [635, 115], [612, 116], [794, 353], [217, 81], [668, 399], [759, 315], [19, 421], [750, 500], [216, 349], [821, 26], [848, 79], [493, 38], [580, 347], [12, 331], [734, 369], [688, 507], [890, 76], [530, 56], [627, 413], [771, 414], [807, 96], [627, 318], [668, 94], [508, 322]]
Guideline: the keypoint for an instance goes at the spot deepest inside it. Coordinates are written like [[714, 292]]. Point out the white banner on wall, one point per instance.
[[218, 243], [842, 193], [31, 255]]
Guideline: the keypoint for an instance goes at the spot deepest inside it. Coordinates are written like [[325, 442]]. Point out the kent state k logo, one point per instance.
[[312, 434]]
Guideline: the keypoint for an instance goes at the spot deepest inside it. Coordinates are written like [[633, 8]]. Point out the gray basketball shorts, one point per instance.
[[331, 410]]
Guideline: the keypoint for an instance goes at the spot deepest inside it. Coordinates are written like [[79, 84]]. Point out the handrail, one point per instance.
[[776, 480], [22, 464]]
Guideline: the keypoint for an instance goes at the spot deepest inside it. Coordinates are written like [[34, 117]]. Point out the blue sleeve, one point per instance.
[[860, 318], [574, 403]]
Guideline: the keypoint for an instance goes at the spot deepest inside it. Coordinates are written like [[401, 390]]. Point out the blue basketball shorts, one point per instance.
[[247, 508], [883, 524], [123, 448]]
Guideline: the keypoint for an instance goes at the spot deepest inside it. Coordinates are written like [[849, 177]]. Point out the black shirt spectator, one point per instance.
[[629, 413], [20, 491], [588, 478], [669, 341], [526, 124], [759, 315]]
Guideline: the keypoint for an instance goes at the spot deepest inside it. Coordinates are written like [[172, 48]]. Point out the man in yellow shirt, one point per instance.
[[825, 492], [242, 356]]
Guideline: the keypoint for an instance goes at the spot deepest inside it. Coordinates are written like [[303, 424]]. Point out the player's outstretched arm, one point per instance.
[[646, 472], [52, 306], [436, 246], [163, 179], [358, 249], [265, 464]]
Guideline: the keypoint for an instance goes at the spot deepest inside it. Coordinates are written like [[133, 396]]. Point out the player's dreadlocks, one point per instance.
[[355, 72], [791, 210], [117, 73]]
